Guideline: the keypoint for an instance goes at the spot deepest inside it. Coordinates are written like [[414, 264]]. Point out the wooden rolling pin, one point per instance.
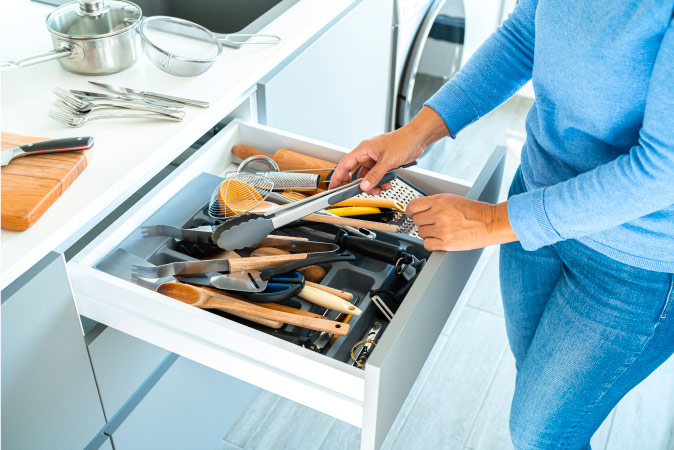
[[289, 160], [203, 298]]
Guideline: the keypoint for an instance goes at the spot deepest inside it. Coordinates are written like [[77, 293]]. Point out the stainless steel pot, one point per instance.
[[91, 37]]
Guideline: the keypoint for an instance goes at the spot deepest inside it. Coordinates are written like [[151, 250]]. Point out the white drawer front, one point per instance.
[[312, 379]]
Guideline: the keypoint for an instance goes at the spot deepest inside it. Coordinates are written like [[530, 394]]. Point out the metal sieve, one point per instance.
[[184, 48]]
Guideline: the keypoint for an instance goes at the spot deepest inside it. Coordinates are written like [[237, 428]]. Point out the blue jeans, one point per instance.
[[584, 330]]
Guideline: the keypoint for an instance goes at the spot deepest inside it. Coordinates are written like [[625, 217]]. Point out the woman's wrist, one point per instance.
[[500, 230], [426, 128]]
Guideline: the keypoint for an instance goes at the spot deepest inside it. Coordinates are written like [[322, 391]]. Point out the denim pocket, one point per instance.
[[668, 301]]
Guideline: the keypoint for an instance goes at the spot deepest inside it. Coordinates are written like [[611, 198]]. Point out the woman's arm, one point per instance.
[[631, 186], [497, 70]]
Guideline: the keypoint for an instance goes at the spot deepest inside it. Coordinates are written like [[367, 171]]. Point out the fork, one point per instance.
[[76, 111], [93, 96], [78, 121], [77, 105]]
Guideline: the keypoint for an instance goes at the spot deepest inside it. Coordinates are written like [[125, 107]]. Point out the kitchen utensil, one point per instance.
[[254, 281], [51, 146], [121, 261], [292, 180], [152, 95], [372, 201], [349, 211], [379, 250], [184, 48], [368, 343], [77, 106], [92, 37], [239, 193], [344, 221], [283, 286], [88, 95], [31, 185], [311, 273], [218, 265], [288, 160], [279, 288], [252, 163], [78, 121], [247, 229], [202, 298], [402, 192]]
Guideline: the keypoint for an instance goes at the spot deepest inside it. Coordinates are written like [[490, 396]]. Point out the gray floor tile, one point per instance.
[[450, 398], [342, 436], [247, 424], [487, 293], [645, 416], [291, 426], [490, 430]]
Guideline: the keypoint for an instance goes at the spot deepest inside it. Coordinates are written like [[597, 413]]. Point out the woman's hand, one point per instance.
[[389, 151], [450, 222]]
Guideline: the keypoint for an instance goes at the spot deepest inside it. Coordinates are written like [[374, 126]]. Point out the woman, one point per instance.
[[587, 234]]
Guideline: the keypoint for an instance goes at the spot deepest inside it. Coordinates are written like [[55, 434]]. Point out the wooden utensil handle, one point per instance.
[[263, 262], [328, 300], [339, 293], [225, 302], [358, 223], [290, 309], [251, 317]]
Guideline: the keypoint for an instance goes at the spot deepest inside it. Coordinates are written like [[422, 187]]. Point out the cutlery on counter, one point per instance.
[[78, 121], [78, 106], [152, 95], [89, 95], [51, 146]]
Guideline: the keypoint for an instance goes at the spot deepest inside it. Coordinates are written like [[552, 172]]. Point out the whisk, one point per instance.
[[240, 193]]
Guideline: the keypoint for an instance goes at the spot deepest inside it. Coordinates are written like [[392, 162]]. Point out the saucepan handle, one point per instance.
[[37, 59]]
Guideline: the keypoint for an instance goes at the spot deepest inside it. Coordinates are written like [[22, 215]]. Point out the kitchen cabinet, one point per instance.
[[369, 398], [121, 364], [190, 407], [49, 396], [337, 89]]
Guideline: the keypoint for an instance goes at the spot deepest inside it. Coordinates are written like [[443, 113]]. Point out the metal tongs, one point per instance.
[[247, 229]]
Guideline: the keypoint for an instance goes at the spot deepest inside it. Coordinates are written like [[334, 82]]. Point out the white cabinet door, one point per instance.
[[49, 396], [337, 90]]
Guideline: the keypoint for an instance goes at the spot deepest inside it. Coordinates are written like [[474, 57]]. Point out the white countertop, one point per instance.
[[126, 153]]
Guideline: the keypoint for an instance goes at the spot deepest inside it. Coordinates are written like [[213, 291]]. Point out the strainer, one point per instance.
[[239, 193], [186, 49]]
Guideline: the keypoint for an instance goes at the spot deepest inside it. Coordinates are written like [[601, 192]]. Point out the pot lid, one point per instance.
[[93, 18]]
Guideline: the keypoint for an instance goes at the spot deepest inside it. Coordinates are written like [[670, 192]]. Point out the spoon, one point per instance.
[[203, 298]]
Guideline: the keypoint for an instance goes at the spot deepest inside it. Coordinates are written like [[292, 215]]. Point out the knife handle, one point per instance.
[[58, 145], [170, 98]]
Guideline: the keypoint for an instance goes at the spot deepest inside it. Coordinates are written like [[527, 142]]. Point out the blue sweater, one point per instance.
[[598, 161]]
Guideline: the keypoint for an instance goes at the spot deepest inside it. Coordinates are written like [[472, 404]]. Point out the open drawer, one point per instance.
[[369, 398]]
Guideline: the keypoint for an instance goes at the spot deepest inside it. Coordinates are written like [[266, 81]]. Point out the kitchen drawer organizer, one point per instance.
[[370, 398]]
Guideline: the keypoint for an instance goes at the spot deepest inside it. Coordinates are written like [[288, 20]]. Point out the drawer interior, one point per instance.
[[188, 208]]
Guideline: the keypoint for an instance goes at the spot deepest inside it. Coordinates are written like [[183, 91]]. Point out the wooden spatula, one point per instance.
[[203, 298]]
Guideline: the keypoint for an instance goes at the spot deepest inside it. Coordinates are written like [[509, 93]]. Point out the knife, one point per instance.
[[52, 146], [170, 98]]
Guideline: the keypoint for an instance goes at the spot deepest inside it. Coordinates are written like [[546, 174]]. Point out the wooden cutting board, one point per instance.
[[29, 185]]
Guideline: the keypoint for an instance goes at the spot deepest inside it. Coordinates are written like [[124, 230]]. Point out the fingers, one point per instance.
[[418, 205], [342, 174], [433, 244]]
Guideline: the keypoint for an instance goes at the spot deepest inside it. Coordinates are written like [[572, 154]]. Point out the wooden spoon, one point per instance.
[[203, 298], [311, 273]]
